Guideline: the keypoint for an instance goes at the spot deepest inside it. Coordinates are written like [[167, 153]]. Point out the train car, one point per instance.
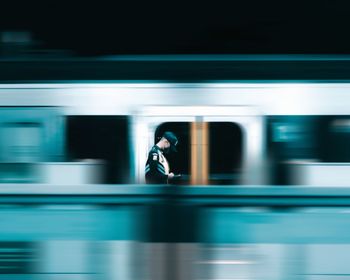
[[265, 120]]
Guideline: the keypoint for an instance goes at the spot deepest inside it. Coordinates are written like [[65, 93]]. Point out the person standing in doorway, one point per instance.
[[157, 170]]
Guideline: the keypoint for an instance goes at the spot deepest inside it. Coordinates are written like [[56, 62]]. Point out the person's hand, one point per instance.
[[171, 175]]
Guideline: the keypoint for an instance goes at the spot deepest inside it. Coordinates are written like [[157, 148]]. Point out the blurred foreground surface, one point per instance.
[[146, 232]]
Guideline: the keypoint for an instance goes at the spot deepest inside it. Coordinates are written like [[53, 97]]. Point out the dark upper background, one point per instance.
[[184, 27]]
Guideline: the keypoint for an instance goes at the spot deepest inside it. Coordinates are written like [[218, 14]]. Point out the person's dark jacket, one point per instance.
[[156, 169]]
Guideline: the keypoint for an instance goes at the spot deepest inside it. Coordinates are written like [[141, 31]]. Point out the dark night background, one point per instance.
[[152, 27]]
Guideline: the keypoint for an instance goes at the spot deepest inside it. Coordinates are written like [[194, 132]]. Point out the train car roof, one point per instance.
[[176, 68]]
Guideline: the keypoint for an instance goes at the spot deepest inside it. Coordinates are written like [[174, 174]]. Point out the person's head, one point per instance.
[[168, 142]]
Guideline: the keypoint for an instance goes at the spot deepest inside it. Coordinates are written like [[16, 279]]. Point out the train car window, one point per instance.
[[179, 162], [309, 150], [31, 134], [104, 138], [335, 138], [31, 138], [225, 152], [291, 140], [22, 142]]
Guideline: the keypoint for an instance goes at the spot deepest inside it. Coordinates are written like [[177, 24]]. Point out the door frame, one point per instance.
[[248, 118]]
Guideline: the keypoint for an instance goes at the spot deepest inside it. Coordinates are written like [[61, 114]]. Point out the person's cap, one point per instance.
[[172, 140]]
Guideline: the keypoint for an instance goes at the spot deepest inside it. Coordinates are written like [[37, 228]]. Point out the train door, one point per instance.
[[235, 141], [217, 145]]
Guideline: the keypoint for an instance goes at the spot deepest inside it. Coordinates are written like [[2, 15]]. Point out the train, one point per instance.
[[288, 126], [263, 153]]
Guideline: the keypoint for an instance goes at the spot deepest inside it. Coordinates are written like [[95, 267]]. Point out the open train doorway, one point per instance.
[[208, 153], [217, 146]]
